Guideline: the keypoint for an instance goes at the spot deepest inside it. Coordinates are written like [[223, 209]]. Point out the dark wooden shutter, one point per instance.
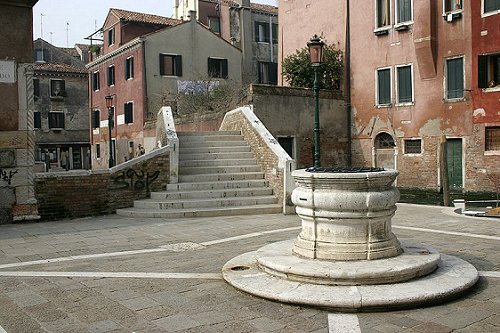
[[404, 85], [36, 87], [162, 64], [37, 117], [491, 5], [211, 67], [384, 86], [482, 71], [178, 65], [224, 69], [256, 28], [455, 78], [129, 113], [273, 73]]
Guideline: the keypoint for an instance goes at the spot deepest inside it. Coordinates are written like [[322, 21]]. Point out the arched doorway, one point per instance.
[[384, 151]]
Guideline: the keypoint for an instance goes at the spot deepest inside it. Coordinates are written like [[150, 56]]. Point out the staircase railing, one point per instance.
[[166, 135], [274, 160]]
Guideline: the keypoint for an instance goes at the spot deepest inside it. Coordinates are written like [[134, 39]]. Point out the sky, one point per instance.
[[65, 23]]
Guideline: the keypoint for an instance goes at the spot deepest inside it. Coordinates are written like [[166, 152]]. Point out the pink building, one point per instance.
[[414, 84]]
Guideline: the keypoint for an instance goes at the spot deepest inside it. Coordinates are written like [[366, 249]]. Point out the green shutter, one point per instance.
[[482, 71], [404, 85], [404, 10], [455, 78], [491, 5], [384, 86], [178, 65]]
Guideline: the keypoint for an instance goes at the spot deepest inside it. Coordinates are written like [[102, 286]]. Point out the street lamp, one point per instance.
[[315, 46], [109, 105]]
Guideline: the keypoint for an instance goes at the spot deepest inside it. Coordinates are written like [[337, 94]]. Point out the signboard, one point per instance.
[[7, 71]]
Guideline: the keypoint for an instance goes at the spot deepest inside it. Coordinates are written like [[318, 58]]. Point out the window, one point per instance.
[[214, 24], [262, 32], [489, 71], [413, 146], [405, 84], [96, 119], [452, 5], [384, 86], [129, 68], [383, 12], [129, 112], [217, 68], [111, 36], [56, 120], [404, 11], [57, 88], [97, 151], [491, 7], [287, 143], [275, 33], [41, 55], [454, 78], [36, 87], [95, 81], [492, 138], [111, 75], [170, 64], [268, 72], [37, 119]]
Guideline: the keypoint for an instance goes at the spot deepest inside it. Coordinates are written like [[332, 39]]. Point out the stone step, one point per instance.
[[212, 194], [216, 163], [220, 177], [209, 144], [217, 185], [215, 169], [215, 156], [200, 212], [212, 133], [204, 202], [213, 150], [211, 138]]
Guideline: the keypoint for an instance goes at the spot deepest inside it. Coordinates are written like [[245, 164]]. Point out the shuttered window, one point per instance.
[[488, 71], [384, 86], [492, 138], [129, 68], [170, 64], [217, 68], [95, 81], [404, 10], [262, 32], [383, 13], [491, 5], [96, 119], [268, 72], [111, 75], [129, 112], [405, 82], [454, 78], [37, 117]]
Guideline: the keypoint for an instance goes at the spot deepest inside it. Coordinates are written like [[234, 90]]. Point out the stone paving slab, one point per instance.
[[103, 304]]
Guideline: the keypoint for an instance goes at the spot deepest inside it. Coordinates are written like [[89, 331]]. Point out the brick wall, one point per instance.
[[86, 193]]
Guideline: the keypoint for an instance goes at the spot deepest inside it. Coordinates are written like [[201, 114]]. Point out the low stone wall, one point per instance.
[[273, 159], [82, 193]]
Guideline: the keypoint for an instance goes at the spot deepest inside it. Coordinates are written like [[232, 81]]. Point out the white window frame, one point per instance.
[[412, 85], [98, 80], [376, 87], [385, 27], [445, 79], [454, 10], [413, 154], [405, 23], [483, 14], [131, 77]]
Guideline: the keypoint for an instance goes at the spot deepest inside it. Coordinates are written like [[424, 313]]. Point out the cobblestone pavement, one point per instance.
[[115, 274]]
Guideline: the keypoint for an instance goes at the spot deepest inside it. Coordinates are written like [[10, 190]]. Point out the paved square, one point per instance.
[[115, 274]]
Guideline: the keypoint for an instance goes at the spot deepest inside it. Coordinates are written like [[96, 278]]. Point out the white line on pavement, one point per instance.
[[343, 323], [253, 234], [142, 275], [492, 274], [466, 234]]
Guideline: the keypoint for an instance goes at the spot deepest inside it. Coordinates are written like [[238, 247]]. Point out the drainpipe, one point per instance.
[[348, 85], [271, 37]]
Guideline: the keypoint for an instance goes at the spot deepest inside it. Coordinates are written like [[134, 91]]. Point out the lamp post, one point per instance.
[[109, 105], [315, 46]]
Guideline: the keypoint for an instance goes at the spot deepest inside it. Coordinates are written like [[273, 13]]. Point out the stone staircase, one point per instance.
[[218, 176]]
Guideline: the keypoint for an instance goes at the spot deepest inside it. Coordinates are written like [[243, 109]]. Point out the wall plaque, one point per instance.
[[7, 71]]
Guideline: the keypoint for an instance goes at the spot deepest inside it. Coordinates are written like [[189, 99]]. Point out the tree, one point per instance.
[[298, 71]]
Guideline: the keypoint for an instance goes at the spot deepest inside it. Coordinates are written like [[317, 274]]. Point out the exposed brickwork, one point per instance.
[[264, 155], [78, 193]]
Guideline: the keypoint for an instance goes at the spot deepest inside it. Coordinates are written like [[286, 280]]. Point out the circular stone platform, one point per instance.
[[273, 272]]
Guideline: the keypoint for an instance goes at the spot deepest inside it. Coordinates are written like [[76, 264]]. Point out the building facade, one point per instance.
[[142, 72], [61, 117], [412, 76], [17, 197], [251, 27]]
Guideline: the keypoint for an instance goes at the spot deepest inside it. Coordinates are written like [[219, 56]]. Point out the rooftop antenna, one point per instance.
[[41, 25], [51, 33], [67, 34]]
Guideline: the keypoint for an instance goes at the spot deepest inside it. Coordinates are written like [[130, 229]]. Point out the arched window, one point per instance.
[[384, 140]]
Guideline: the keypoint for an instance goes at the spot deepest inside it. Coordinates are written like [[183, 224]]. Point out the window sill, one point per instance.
[[406, 104], [381, 106], [382, 31], [403, 26], [453, 15], [495, 12], [412, 154], [492, 89], [492, 152], [454, 100]]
